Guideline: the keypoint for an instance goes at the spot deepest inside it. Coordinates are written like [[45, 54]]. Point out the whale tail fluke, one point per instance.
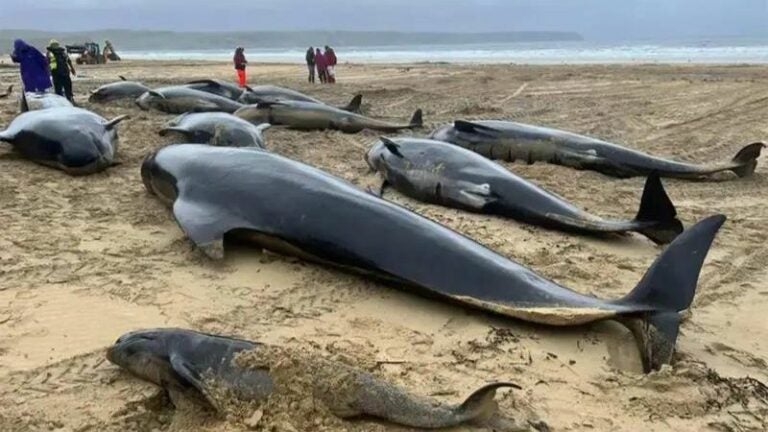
[[746, 159], [657, 208], [668, 287]]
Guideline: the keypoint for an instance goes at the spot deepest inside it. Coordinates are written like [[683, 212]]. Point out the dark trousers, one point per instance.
[[311, 67], [62, 84]]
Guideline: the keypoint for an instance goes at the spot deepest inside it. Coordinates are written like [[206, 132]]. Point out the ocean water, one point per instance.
[[700, 51]]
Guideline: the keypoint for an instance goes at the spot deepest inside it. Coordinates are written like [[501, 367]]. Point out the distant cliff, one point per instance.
[[125, 40]]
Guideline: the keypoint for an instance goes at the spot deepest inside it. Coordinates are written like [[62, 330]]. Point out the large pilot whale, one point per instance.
[[291, 208]]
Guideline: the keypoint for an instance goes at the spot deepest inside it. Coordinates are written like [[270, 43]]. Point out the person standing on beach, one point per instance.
[[321, 65], [61, 67], [330, 58], [310, 57], [240, 63], [35, 75]]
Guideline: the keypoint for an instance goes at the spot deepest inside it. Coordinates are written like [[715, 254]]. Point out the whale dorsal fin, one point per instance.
[[471, 127]]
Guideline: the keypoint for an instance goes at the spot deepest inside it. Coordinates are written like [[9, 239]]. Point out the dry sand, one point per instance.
[[84, 259]]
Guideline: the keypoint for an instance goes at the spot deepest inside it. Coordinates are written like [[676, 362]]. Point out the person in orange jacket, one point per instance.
[[240, 63]]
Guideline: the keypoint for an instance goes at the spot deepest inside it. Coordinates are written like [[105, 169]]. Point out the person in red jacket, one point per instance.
[[240, 63], [330, 58], [322, 66]]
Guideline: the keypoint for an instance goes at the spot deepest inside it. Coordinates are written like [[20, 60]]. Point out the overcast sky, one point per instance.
[[594, 19]]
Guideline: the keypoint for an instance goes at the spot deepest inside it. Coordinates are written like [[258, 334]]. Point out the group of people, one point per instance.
[[324, 62], [38, 70]]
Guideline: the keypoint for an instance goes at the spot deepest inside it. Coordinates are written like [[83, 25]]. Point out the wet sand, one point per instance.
[[83, 259]]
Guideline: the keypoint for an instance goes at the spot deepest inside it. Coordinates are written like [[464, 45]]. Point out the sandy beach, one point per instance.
[[84, 259]]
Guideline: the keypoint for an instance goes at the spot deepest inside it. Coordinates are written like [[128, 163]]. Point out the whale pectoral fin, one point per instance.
[[203, 225], [112, 123], [190, 375], [392, 146], [473, 195]]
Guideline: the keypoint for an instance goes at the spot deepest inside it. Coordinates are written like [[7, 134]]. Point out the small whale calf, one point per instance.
[[202, 367], [512, 141]]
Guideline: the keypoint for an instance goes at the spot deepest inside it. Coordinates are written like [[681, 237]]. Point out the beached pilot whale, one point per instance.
[[181, 99], [270, 93], [122, 89], [203, 366], [291, 208], [221, 129], [314, 116], [71, 139], [512, 141], [445, 174]]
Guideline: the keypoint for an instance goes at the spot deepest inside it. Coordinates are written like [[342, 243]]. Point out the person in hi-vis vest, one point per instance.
[[61, 67]]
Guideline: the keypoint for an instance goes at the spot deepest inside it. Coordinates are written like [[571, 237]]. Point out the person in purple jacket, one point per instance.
[[35, 75], [321, 64]]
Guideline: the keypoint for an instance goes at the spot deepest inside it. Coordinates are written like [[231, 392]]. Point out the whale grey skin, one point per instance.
[[7, 93], [181, 99], [270, 93], [221, 129], [445, 174], [291, 208], [194, 364], [32, 101], [510, 141], [73, 140], [123, 89], [222, 88], [314, 116]]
